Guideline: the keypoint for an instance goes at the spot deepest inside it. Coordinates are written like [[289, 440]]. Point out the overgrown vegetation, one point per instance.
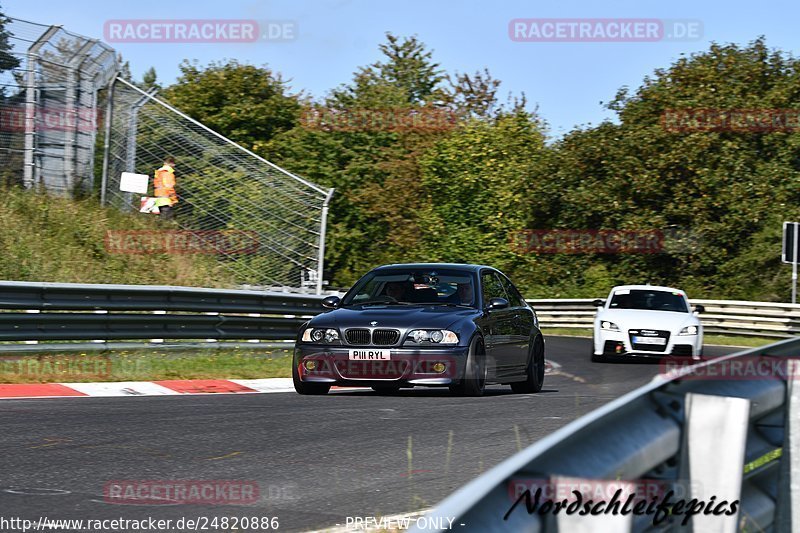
[[57, 239]]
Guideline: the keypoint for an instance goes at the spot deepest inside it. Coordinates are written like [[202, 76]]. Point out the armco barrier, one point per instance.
[[701, 435], [67, 311], [765, 319]]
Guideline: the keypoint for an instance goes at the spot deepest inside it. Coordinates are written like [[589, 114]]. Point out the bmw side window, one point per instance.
[[492, 287], [514, 297]]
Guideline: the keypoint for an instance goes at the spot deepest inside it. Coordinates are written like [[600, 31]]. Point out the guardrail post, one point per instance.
[[158, 341], [713, 454], [32, 311], [788, 504]]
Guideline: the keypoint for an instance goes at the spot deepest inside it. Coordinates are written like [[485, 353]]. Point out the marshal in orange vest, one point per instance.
[[164, 185]]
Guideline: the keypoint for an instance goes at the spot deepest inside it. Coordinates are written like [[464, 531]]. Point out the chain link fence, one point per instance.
[[51, 80], [69, 125], [222, 187]]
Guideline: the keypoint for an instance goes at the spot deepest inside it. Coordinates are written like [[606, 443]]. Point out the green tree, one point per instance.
[[373, 166], [478, 183], [249, 104], [729, 189], [150, 80]]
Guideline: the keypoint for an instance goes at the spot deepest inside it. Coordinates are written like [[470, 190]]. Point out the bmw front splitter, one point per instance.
[[376, 366]]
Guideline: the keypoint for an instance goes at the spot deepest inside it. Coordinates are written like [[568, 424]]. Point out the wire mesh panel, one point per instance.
[[276, 219], [49, 110], [59, 90]]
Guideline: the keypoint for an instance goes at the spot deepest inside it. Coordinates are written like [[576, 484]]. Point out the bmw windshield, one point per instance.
[[649, 300], [413, 287]]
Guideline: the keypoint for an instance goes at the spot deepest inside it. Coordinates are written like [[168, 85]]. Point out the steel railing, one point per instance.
[[765, 319], [699, 432], [69, 312]]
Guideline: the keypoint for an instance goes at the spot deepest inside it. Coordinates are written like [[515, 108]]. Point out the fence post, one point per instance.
[[95, 115], [107, 140], [29, 179], [133, 126], [323, 226]]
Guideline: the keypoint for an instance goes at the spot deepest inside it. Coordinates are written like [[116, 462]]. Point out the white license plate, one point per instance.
[[370, 355], [650, 340]]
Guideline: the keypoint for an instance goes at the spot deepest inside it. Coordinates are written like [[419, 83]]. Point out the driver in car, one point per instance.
[[463, 294], [397, 290]]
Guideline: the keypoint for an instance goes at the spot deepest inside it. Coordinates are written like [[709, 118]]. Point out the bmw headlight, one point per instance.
[[432, 336], [608, 326], [689, 330], [320, 335]]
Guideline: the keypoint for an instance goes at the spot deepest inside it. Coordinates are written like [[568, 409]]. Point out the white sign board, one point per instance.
[[130, 182]]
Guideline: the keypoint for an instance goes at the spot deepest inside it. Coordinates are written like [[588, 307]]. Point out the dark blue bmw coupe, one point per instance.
[[437, 325]]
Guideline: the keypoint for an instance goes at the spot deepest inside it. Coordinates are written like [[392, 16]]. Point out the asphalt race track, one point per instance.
[[316, 460]]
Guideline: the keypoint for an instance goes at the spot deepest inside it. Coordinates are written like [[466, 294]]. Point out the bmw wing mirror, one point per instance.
[[498, 303], [699, 309], [331, 302], [599, 303]]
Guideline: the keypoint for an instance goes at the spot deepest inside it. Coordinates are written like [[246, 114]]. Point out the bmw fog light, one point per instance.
[[439, 367], [310, 365]]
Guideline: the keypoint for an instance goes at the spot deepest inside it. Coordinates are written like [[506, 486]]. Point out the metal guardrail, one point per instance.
[[697, 433], [734, 317], [64, 312], [67, 311]]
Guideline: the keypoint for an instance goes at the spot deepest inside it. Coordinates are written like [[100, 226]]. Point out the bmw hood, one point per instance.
[[627, 319], [395, 316]]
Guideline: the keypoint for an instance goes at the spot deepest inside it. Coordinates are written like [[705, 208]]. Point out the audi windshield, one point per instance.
[[649, 301]]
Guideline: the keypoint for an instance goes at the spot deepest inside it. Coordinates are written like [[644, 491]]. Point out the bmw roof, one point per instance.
[[453, 266]]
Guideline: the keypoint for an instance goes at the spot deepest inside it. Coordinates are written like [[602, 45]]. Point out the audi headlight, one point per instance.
[[432, 336], [689, 330], [320, 335], [608, 326]]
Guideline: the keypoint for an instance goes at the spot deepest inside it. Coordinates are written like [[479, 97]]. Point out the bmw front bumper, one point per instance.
[[434, 366]]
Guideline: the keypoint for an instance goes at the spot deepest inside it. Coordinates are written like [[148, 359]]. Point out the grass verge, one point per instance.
[[149, 366]]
